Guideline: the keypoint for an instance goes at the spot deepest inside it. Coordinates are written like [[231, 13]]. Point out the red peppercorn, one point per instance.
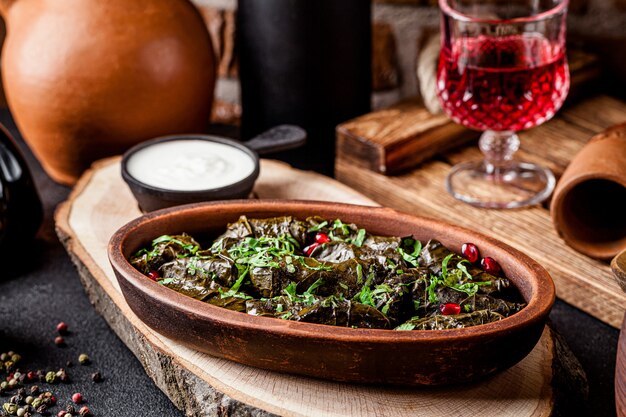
[[490, 266], [31, 376], [154, 275], [59, 341], [450, 309], [77, 398], [84, 411], [309, 249], [470, 252], [62, 328], [61, 413], [321, 238], [52, 399]]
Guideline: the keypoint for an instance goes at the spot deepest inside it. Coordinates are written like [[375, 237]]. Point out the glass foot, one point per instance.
[[517, 184]]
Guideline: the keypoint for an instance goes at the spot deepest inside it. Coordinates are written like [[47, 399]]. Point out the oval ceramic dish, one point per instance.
[[343, 354]]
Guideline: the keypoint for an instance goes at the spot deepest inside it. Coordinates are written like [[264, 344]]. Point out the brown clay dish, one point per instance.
[[356, 355]]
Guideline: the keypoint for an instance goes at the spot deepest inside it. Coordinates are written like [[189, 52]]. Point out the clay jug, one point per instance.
[[588, 204], [86, 79]]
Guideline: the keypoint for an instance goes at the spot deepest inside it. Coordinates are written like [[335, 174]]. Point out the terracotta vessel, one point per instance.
[[85, 79], [357, 355], [588, 203]]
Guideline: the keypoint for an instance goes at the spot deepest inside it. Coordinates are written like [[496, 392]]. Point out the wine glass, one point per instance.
[[502, 69]]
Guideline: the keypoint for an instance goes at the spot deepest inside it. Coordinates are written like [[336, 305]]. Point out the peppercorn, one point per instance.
[[8, 366], [21, 392], [62, 328], [10, 408], [61, 413], [84, 411], [4, 357], [59, 341], [29, 400], [20, 412], [51, 377], [70, 409], [77, 398], [43, 409], [83, 359], [37, 403], [97, 377], [15, 358], [62, 375], [34, 390]]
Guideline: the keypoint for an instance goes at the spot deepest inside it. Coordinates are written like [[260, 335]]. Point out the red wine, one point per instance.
[[503, 84]]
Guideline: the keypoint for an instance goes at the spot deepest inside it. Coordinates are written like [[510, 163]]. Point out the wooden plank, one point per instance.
[[394, 140], [580, 281], [202, 385]]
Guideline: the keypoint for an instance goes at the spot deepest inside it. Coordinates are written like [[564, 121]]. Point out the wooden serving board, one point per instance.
[[620, 373], [580, 280], [202, 385]]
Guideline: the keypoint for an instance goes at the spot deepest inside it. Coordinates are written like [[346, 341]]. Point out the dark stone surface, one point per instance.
[[45, 289]]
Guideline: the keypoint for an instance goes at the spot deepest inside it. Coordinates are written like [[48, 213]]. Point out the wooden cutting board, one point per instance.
[[580, 281], [202, 385]]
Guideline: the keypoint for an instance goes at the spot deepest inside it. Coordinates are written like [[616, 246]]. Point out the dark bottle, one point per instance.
[[306, 63], [21, 212]]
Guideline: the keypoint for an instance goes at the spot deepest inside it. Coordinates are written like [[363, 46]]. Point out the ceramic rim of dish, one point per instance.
[[208, 138]]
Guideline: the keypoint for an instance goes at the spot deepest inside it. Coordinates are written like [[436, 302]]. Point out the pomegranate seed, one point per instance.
[[309, 249], [62, 328], [490, 266], [450, 309], [154, 275], [77, 398], [322, 238], [470, 252]]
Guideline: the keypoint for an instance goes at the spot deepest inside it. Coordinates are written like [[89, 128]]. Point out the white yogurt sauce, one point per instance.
[[190, 165]]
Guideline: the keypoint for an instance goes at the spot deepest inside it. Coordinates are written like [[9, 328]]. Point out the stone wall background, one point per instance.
[[400, 28]]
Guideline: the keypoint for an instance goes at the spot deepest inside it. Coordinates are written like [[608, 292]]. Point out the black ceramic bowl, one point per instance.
[[152, 198]]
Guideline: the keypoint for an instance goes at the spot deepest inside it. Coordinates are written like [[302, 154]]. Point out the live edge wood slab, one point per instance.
[[580, 280], [547, 382]]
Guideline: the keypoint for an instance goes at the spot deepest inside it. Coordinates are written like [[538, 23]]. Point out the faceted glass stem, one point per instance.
[[498, 181]]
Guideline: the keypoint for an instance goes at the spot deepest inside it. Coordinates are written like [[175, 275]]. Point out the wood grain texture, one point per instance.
[[580, 281], [618, 266], [202, 385], [620, 373], [393, 140]]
